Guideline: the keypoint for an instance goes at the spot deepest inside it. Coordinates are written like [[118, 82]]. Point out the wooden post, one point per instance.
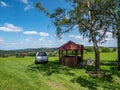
[[82, 47], [62, 62], [66, 52], [59, 57], [76, 56], [62, 53]]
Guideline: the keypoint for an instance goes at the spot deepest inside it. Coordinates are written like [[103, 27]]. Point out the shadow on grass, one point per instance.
[[113, 68], [109, 63], [85, 83], [52, 67], [94, 83], [113, 71]]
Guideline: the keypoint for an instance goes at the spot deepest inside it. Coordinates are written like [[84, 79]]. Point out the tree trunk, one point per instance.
[[118, 48], [97, 57], [96, 50]]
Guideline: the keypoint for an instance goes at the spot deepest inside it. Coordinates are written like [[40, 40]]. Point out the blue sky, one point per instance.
[[22, 25]]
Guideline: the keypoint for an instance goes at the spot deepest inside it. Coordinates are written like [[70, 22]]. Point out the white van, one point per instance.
[[41, 57]]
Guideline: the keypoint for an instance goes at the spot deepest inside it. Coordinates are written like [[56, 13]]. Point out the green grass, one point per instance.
[[23, 74], [110, 56]]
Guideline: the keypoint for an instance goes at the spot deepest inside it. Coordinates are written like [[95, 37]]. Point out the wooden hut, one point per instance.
[[64, 54]]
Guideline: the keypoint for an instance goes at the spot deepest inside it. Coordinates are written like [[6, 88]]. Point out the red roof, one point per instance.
[[71, 46]]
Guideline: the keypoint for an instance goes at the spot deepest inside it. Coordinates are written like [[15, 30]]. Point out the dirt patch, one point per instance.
[[56, 85]]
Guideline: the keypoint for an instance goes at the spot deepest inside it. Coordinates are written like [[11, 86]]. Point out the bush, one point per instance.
[[114, 50], [20, 55], [52, 54], [85, 51], [71, 53], [4, 55], [32, 54], [105, 50], [89, 49]]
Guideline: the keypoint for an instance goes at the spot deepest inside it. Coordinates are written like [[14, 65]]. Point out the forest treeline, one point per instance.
[[50, 51]]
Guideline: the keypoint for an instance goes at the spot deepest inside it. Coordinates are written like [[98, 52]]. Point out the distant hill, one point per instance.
[[32, 51], [13, 52]]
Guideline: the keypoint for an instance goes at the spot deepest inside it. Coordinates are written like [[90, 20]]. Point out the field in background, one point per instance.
[[23, 74]]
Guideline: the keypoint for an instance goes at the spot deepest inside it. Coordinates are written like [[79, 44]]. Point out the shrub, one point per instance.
[[31, 54], [20, 55], [51, 54], [85, 51], [89, 49], [105, 50], [114, 50], [3, 55]]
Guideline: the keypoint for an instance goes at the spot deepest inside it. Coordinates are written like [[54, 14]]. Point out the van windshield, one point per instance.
[[42, 54]]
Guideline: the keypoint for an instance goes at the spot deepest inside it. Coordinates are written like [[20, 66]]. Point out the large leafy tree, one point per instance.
[[114, 14], [88, 16]]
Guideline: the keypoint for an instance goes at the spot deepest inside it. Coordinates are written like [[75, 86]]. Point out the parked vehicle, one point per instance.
[[41, 57]]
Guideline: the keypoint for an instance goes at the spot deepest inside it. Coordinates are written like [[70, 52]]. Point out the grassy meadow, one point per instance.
[[23, 74]]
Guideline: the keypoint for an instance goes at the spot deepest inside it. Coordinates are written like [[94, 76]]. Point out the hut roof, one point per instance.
[[71, 46]]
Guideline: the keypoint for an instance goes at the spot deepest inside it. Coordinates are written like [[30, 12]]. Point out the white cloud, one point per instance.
[[29, 39], [109, 36], [30, 32], [28, 7], [3, 4], [12, 43], [1, 40], [42, 39], [7, 27], [25, 1], [43, 34], [50, 41], [61, 41], [76, 26], [108, 33], [76, 36]]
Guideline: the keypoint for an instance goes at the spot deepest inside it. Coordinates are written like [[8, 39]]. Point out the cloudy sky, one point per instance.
[[22, 25]]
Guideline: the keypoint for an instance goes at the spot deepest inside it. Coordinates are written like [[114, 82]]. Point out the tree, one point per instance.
[[105, 49], [114, 13], [87, 16]]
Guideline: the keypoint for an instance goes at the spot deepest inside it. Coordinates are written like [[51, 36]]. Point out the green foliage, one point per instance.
[[71, 53], [3, 55], [89, 49], [86, 14], [114, 50], [31, 54], [26, 52], [20, 55], [105, 49], [53, 53]]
